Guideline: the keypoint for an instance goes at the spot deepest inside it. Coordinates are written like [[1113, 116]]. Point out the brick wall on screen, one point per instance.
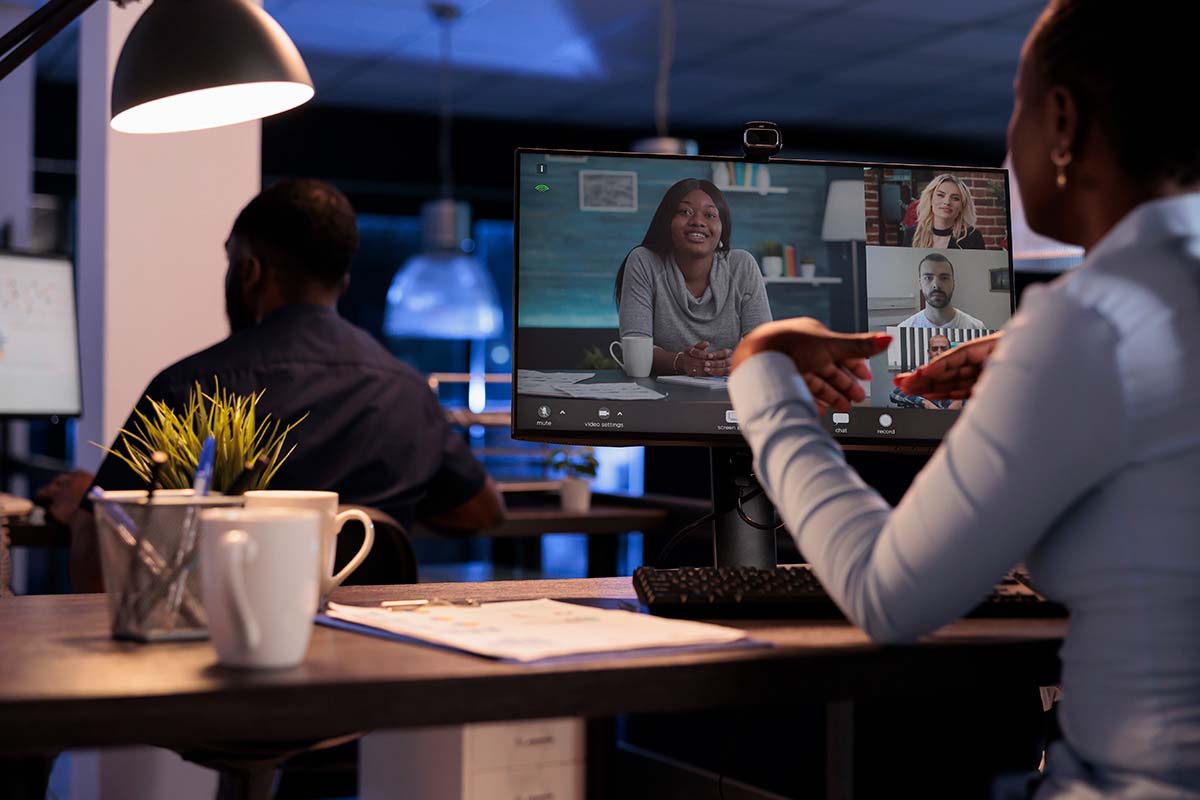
[[989, 207]]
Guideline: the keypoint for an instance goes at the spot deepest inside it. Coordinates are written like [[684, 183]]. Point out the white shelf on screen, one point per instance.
[[755, 189], [824, 281]]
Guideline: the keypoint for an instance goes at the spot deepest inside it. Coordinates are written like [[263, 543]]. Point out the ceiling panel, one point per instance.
[[940, 12], [863, 64]]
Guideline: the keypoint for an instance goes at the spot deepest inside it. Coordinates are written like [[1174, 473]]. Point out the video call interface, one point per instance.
[[638, 275]]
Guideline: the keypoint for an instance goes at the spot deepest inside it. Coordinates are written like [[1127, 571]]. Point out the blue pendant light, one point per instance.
[[446, 293], [443, 293]]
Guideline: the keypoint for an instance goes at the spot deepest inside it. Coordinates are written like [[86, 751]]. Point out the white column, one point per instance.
[[154, 212], [16, 194], [16, 131]]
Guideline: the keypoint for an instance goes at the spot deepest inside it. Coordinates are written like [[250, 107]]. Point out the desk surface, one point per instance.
[[66, 683]]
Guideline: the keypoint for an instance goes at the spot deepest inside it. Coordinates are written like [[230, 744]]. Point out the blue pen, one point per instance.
[[122, 518], [204, 467]]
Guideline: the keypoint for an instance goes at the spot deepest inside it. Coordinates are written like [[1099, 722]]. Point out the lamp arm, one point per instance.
[[38, 28]]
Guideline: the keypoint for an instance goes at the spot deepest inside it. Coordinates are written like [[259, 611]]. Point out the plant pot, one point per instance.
[[576, 495], [772, 266]]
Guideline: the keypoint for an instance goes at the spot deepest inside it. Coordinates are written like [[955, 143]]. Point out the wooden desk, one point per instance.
[[68, 684]]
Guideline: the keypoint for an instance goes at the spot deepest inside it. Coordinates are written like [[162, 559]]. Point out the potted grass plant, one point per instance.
[[577, 465], [241, 434]]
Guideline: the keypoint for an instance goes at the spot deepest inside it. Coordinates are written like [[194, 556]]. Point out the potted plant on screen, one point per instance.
[[577, 465], [772, 259]]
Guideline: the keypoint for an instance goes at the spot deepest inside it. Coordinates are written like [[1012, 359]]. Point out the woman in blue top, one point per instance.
[[1080, 450]]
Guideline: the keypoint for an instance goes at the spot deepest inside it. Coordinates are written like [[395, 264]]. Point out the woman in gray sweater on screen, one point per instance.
[[685, 288]]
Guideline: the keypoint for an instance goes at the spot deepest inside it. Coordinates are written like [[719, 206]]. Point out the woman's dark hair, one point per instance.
[[307, 229], [658, 235], [1123, 66]]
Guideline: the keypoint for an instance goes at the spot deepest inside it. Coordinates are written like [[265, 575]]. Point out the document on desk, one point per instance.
[[570, 384], [548, 384], [528, 631], [612, 391]]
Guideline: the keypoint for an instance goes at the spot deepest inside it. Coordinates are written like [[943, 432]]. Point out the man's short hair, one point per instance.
[[304, 228], [936, 258]]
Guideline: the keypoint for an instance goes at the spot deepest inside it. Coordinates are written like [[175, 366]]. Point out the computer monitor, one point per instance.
[[626, 263], [39, 341], [787, 238]]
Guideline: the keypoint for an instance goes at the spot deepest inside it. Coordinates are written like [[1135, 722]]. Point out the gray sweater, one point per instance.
[[655, 301]]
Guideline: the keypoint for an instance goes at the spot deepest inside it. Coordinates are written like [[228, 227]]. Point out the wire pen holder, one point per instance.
[[148, 556]]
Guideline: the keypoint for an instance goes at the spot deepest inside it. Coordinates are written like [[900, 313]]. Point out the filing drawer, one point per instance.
[[503, 744], [537, 782]]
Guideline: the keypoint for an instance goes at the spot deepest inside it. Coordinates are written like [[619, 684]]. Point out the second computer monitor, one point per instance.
[[39, 344], [630, 269]]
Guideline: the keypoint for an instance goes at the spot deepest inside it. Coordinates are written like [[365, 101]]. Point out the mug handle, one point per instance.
[[614, 355], [238, 548], [361, 555]]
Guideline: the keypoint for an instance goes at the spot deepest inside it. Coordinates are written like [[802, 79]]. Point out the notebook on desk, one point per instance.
[[707, 382]]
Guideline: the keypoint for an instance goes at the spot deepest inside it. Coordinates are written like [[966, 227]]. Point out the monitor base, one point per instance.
[[735, 542]]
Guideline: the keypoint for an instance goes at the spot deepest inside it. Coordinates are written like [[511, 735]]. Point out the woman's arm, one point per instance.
[[1005, 473], [635, 314], [665, 361], [756, 308]]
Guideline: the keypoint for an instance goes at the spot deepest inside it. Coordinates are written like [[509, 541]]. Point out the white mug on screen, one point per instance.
[[638, 352]]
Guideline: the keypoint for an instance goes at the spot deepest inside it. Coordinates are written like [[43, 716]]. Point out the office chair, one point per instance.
[[333, 771], [391, 559]]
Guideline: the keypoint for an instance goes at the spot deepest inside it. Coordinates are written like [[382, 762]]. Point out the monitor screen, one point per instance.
[[39, 344], [631, 268]]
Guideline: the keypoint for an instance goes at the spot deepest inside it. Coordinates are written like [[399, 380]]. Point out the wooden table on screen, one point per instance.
[[68, 684]]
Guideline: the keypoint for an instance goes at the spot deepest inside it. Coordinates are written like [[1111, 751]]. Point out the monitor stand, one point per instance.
[[736, 544]]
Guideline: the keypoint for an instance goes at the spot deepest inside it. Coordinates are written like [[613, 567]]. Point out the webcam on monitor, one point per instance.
[[761, 140]]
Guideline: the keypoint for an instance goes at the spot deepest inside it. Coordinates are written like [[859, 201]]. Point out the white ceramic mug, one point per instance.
[[326, 505], [259, 583], [639, 354]]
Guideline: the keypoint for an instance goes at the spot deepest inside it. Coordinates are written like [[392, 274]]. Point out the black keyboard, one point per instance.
[[791, 593]]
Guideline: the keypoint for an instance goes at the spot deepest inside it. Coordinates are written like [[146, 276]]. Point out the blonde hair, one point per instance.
[[923, 236]]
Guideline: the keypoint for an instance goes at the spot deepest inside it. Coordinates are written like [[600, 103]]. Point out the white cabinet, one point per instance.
[[526, 760]]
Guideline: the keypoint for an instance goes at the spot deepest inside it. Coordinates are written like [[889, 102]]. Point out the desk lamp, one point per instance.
[[446, 293], [186, 65]]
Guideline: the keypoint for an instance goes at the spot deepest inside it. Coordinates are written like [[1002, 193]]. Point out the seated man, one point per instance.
[[938, 344], [935, 280], [375, 432]]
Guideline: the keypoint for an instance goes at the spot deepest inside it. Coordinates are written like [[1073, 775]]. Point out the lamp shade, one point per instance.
[[196, 64], [845, 213], [444, 295]]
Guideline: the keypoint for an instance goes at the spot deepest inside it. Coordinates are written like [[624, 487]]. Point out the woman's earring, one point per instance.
[[1061, 160]]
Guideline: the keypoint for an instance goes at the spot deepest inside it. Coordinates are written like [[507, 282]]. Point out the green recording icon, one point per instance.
[[541, 187]]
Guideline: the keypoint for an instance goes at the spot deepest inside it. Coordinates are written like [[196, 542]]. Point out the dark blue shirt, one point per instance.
[[375, 431]]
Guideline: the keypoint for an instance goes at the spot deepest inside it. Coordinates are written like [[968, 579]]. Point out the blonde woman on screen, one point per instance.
[[945, 217]]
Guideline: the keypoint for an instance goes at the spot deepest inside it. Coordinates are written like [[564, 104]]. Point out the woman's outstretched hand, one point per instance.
[[952, 375], [832, 363]]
